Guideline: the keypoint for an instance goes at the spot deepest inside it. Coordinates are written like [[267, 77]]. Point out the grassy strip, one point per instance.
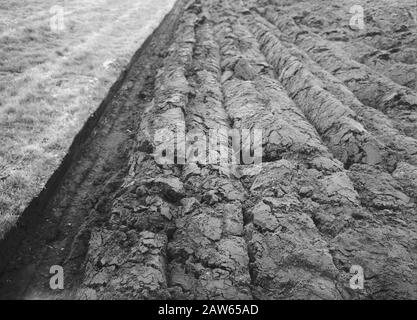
[[51, 82]]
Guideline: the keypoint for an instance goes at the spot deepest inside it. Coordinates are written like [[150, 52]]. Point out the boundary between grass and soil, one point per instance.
[[31, 215]]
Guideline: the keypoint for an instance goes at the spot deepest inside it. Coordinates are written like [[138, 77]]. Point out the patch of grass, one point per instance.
[[50, 82]]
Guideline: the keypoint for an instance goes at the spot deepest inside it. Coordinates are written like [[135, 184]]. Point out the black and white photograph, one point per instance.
[[203, 157]]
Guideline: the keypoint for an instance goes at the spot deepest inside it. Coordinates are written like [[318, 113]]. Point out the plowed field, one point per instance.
[[337, 186]]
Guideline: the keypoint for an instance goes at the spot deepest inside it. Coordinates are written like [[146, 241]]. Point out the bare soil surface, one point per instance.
[[337, 186]]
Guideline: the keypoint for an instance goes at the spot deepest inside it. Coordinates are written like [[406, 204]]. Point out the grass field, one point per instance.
[[52, 79]]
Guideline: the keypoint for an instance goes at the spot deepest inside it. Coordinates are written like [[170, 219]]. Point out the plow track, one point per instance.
[[337, 186]]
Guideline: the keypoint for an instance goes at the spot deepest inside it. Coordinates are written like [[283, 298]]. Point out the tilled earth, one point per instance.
[[337, 186]]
